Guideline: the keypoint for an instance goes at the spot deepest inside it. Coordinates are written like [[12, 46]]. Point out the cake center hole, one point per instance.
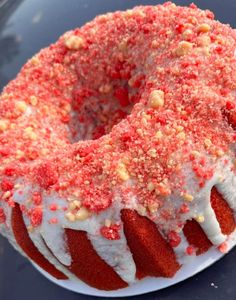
[[94, 113]]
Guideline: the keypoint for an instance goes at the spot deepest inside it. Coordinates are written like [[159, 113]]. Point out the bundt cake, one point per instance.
[[117, 147]]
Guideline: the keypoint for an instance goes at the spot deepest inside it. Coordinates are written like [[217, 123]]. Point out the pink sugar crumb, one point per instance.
[[229, 105], [6, 185], [190, 250], [23, 208], [112, 232], [184, 209], [53, 221], [46, 175], [36, 216], [11, 202], [224, 247], [2, 216], [53, 207], [123, 96], [37, 198], [10, 171], [174, 239]]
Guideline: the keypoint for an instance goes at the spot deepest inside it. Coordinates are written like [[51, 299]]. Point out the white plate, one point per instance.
[[149, 284]]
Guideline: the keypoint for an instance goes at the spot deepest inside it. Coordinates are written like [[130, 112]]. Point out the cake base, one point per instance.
[[148, 284]]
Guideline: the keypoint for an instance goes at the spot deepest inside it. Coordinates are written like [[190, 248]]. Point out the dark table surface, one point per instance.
[[27, 26]]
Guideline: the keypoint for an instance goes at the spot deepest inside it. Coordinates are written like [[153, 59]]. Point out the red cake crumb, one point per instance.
[[24, 241]]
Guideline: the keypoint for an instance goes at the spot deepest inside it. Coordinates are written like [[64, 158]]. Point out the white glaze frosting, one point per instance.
[[116, 253]]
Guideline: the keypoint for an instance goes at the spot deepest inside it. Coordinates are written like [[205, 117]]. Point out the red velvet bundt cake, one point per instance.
[[117, 147]]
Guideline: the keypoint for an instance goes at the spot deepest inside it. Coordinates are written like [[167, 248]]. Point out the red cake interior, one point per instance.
[[193, 231], [26, 244], [88, 266], [152, 254]]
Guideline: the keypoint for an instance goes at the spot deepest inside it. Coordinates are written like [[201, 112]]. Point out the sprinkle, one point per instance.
[[141, 210], [6, 195], [153, 207], [19, 154], [204, 40], [82, 214], [3, 125], [53, 221], [74, 204], [207, 143], [183, 48], [33, 100], [105, 89], [21, 106], [154, 44], [163, 189], [195, 153], [123, 45], [74, 42], [200, 219], [29, 133], [122, 172], [187, 33], [181, 135], [219, 152], [204, 28], [35, 60], [107, 222], [156, 99], [179, 128], [70, 217], [158, 134], [188, 197], [77, 203], [17, 186], [152, 152], [151, 186]]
